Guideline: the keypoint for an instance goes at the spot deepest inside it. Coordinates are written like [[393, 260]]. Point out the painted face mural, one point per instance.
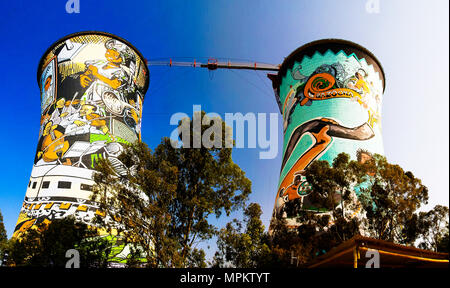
[[92, 87], [329, 93]]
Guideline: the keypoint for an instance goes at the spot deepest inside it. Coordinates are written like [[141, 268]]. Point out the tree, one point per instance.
[[284, 244], [3, 236], [239, 247], [334, 190], [196, 259], [390, 201], [3, 239], [442, 245], [433, 228], [46, 246], [317, 230], [328, 219], [386, 197], [164, 201], [371, 198], [316, 235], [137, 206]]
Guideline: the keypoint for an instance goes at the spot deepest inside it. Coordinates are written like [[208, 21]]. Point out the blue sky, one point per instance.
[[410, 38]]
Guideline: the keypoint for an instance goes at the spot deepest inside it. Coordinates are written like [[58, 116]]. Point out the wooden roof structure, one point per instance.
[[354, 253]]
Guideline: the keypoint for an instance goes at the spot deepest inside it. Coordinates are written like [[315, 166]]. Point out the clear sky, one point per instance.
[[410, 38]]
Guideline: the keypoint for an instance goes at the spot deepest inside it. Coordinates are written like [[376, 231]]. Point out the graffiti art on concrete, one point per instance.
[[92, 87], [329, 93]]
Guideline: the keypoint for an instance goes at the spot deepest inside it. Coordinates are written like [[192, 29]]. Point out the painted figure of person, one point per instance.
[[102, 75]]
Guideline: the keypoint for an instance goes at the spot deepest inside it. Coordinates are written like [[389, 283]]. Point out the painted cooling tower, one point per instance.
[[92, 87], [329, 93]]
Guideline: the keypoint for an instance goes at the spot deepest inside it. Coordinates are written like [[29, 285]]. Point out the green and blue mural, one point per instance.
[[329, 93]]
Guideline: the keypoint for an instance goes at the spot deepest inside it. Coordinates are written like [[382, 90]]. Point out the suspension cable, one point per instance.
[[214, 64]]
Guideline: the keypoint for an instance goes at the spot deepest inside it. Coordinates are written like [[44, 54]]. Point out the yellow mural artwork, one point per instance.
[[92, 88]]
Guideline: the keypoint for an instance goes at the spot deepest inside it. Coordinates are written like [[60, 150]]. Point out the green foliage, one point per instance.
[[196, 259], [333, 189], [391, 200], [284, 243], [433, 228], [3, 239], [443, 243], [164, 201], [386, 197], [136, 206], [239, 247], [46, 246], [3, 236]]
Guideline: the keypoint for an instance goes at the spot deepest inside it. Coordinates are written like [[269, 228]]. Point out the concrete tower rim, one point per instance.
[[333, 44], [93, 32]]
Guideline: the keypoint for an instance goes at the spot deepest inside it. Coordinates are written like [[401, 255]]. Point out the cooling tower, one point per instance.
[[92, 87], [329, 93]]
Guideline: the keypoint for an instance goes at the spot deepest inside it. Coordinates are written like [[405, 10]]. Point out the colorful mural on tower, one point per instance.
[[92, 87], [330, 98]]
